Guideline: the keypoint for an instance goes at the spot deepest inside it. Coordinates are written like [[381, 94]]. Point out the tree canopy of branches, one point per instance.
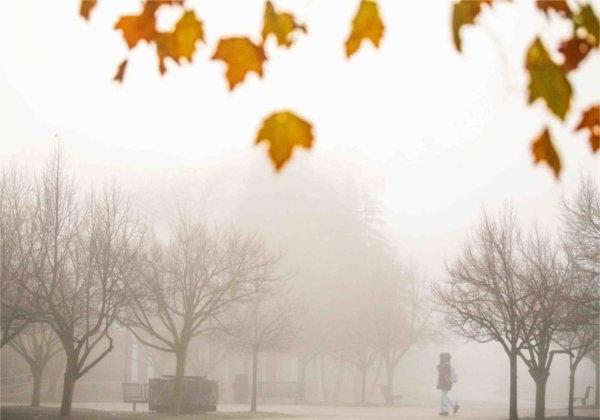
[[581, 240], [267, 321], [37, 344], [76, 255], [547, 278], [191, 280], [483, 298], [15, 252]]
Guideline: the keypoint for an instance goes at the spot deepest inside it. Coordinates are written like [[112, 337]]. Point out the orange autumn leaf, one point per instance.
[[120, 72], [543, 151], [85, 9], [284, 131], [241, 56], [464, 12], [367, 24], [282, 25], [181, 43], [138, 27], [590, 120]]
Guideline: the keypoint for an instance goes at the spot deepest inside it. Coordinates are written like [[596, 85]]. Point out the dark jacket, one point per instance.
[[444, 376]]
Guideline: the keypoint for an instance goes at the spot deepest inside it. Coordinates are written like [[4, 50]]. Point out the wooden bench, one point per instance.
[[387, 395], [272, 389], [135, 392], [584, 398]]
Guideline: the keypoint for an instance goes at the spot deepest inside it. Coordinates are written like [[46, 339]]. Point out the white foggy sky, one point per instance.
[[439, 133]]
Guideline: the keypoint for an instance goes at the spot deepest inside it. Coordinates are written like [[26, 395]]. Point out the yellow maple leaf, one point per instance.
[[241, 56], [283, 131], [543, 151], [366, 25], [279, 24], [181, 42]]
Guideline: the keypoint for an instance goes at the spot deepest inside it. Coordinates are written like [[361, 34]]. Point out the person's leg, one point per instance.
[[444, 403]]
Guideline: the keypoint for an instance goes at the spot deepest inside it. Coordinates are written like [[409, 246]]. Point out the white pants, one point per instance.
[[447, 402]]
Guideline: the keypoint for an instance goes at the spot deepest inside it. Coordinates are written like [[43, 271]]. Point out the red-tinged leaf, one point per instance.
[[86, 7], [547, 80], [559, 6], [574, 50], [590, 120], [464, 13], [120, 72], [284, 131], [543, 151]]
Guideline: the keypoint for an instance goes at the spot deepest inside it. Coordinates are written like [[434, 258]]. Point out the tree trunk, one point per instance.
[[540, 395], [323, 377], [571, 390], [254, 380], [37, 386], [597, 396], [68, 388], [301, 377], [180, 357], [363, 385], [513, 411], [389, 370]]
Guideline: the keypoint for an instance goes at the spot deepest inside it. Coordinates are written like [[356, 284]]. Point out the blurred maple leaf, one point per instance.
[[241, 56], [86, 7], [547, 80], [587, 20], [138, 27], [590, 120], [120, 72], [367, 24], [181, 43], [284, 131], [543, 151], [464, 13], [559, 6], [282, 25], [574, 50]]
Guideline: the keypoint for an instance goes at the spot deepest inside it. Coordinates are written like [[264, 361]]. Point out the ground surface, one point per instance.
[[105, 411]]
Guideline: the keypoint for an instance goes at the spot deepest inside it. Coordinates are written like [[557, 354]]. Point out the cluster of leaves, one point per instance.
[[282, 130], [549, 80]]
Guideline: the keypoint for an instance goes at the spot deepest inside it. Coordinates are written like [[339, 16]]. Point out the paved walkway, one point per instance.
[[366, 413]]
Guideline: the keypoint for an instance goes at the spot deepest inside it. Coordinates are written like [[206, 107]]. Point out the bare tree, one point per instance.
[[401, 319], [484, 299], [187, 283], [15, 252], [578, 343], [37, 345], [581, 226], [84, 251], [548, 280], [581, 237], [265, 322]]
